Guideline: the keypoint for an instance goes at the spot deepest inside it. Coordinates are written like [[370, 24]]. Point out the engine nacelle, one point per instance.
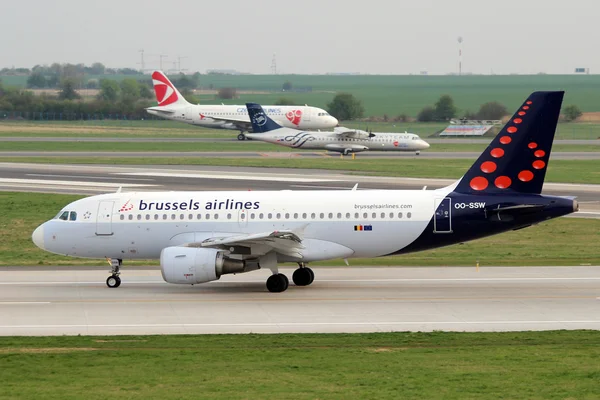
[[190, 265]]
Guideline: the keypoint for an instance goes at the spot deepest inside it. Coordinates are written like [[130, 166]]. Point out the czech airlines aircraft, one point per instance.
[[172, 105], [341, 140], [200, 236]]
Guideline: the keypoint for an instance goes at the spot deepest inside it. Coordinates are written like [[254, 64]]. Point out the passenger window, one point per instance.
[[295, 215], [147, 217], [269, 215], [313, 215], [322, 215], [330, 215], [365, 215], [73, 216], [64, 216], [278, 215], [181, 216], [399, 215], [408, 215], [155, 217], [199, 216], [139, 217], [347, 215], [164, 216], [252, 216], [228, 216], [374, 215], [173, 216], [130, 217], [356, 215], [304, 215], [122, 217], [191, 216], [391, 215], [287, 215], [382, 215], [261, 215], [207, 216], [216, 216]]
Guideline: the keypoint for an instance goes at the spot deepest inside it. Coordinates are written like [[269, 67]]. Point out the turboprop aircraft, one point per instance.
[[172, 105], [341, 140], [200, 236]]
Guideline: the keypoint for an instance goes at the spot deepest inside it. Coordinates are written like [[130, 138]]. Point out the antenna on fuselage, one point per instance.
[[355, 187], [119, 189]]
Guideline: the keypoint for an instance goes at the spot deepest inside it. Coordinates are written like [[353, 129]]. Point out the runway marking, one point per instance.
[[93, 177], [332, 280], [68, 183], [292, 324], [217, 175]]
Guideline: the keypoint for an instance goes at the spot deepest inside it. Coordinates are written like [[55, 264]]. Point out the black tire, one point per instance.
[[303, 277], [277, 283], [312, 276], [241, 136], [113, 281]]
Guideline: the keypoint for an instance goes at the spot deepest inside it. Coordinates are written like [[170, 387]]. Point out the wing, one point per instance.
[[284, 242], [352, 133], [241, 123]]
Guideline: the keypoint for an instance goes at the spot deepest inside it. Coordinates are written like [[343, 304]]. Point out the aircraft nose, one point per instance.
[[334, 121], [38, 236], [425, 145]]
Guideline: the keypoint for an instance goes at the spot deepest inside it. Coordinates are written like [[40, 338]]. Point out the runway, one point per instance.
[[471, 155], [73, 301], [95, 179]]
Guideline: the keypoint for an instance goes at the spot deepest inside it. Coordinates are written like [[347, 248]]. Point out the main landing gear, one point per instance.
[[113, 281], [241, 136], [278, 283]]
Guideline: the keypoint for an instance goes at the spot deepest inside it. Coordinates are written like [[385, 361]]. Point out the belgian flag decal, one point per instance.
[[363, 227]]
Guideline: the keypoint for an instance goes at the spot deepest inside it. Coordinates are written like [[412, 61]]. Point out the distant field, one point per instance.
[[21, 213], [394, 95]]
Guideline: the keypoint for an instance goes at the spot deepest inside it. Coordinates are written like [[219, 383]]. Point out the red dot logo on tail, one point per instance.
[[294, 116], [164, 90]]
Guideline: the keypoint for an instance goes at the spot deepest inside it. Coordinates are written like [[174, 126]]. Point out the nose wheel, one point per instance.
[[114, 281]]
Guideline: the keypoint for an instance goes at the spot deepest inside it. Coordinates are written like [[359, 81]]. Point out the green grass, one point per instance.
[[162, 128], [250, 146], [523, 365], [565, 171], [21, 213]]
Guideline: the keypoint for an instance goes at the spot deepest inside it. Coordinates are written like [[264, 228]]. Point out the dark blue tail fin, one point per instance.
[[261, 122], [517, 158]]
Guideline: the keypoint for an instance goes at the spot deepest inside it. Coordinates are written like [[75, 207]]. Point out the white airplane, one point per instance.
[[172, 105], [341, 140], [200, 236]]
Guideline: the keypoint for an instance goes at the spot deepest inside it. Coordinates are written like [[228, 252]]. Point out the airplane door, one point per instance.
[[243, 218], [307, 114], [188, 114], [104, 218], [442, 223]]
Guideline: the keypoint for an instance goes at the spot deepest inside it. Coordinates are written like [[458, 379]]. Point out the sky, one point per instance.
[[308, 37]]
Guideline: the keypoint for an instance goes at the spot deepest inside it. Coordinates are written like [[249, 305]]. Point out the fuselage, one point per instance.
[[336, 142], [233, 116], [332, 224]]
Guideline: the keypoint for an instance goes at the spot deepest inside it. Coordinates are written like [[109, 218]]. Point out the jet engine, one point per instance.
[[190, 265]]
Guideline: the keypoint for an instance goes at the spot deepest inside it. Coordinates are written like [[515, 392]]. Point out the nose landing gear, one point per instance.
[[114, 281]]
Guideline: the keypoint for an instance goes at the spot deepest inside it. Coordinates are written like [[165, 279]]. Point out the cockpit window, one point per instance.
[[64, 216], [73, 216]]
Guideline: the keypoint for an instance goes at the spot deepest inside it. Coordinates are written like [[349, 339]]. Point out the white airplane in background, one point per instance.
[[172, 105], [341, 140], [200, 236]]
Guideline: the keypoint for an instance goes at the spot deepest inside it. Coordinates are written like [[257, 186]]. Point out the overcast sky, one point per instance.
[[373, 36]]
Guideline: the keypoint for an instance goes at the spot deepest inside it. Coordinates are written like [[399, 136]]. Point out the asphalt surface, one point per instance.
[[96, 179], [471, 155], [73, 301]]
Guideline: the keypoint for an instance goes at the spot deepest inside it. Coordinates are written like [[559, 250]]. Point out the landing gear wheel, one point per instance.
[[277, 283], [303, 276], [241, 136], [113, 281], [417, 152]]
